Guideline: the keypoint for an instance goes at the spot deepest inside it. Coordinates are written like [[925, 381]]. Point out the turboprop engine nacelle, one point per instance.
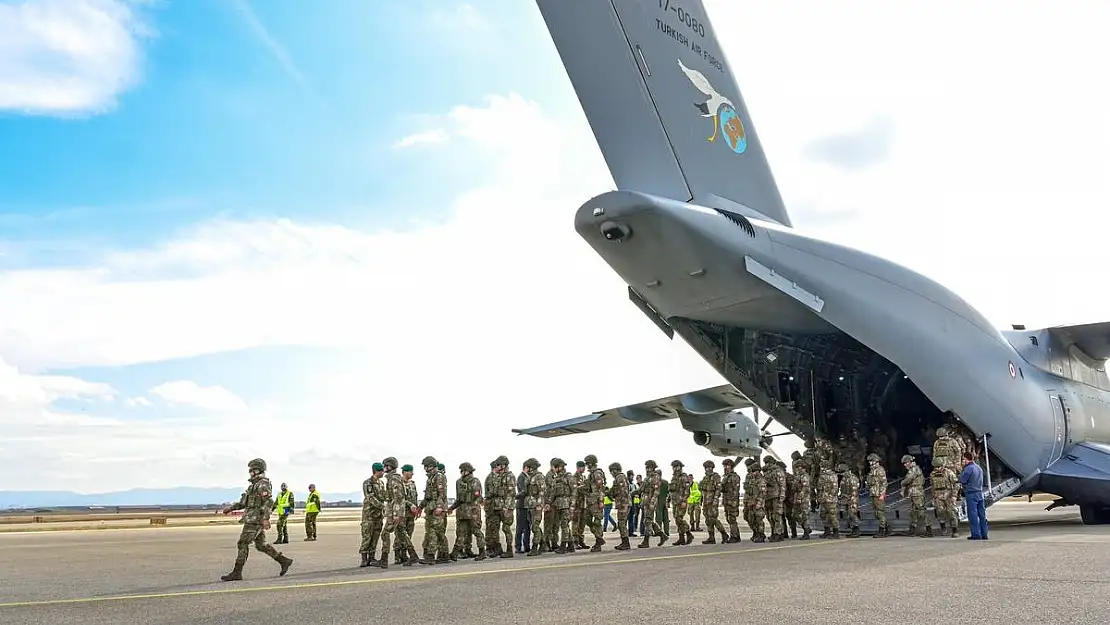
[[726, 434]]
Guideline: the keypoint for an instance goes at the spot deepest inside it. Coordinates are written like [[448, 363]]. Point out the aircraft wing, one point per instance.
[[1092, 338], [705, 401]]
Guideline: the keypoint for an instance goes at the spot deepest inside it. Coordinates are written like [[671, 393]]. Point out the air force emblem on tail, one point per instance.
[[720, 110]]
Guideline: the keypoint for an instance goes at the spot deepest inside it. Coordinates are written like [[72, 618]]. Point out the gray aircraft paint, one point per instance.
[[699, 232]]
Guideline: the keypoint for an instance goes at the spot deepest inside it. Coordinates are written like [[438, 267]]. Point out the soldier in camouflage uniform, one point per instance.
[[595, 501], [849, 494], [535, 494], [373, 494], [395, 509], [256, 503], [812, 461], [506, 501], [435, 514], [580, 482], [621, 495], [412, 497], [827, 488], [945, 484], [559, 498], [947, 449], [468, 513], [710, 487], [548, 510], [730, 499], [876, 487], [649, 499], [493, 518], [801, 497], [680, 495], [913, 486], [773, 500], [755, 492], [788, 504]]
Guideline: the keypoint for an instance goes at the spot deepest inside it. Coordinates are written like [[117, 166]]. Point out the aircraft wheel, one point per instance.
[[1092, 515]]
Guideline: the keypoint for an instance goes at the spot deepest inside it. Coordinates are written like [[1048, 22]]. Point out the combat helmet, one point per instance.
[[257, 464], [502, 460], [750, 462], [492, 463], [873, 457], [709, 464], [466, 466], [796, 455], [938, 461], [677, 464], [590, 459], [389, 463], [650, 464], [428, 461], [841, 468], [907, 458], [558, 462], [942, 431], [532, 463], [768, 460], [614, 466], [728, 462]]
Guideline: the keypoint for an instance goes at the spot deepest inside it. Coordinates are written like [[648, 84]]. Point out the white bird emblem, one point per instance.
[[710, 107]]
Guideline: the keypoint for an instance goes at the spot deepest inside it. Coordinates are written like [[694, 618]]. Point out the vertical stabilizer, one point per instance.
[[662, 101]]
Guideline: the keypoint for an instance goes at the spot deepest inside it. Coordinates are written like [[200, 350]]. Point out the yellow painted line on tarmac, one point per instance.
[[407, 578]]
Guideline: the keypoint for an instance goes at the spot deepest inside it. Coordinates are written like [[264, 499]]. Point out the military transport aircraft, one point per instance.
[[819, 336]]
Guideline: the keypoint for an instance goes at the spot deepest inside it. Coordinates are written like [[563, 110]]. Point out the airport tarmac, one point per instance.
[[1037, 567]]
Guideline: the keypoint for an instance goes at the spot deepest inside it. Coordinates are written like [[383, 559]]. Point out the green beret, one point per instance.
[[378, 467], [441, 467], [579, 464], [407, 467]]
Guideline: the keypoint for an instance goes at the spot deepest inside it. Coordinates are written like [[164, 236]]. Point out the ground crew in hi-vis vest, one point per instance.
[[311, 511], [283, 505]]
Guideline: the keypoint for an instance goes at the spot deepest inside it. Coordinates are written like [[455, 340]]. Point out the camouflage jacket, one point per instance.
[[256, 502], [535, 493], [372, 496], [468, 497], [561, 490], [823, 449], [811, 459], [649, 490], [876, 480], [730, 489], [755, 488], [776, 482], [505, 490], [914, 482], [580, 483], [710, 487], [944, 481], [596, 494], [395, 505], [549, 479], [849, 489], [826, 486], [791, 484], [490, 490], [803, 492], [679, 489], [620, 492], [800, 465], [412, 496], [947, 448], [435, 492]]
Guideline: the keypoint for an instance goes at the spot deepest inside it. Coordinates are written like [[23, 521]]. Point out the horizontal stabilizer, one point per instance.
[[706, 401], [1082, 476], [1093, 339]]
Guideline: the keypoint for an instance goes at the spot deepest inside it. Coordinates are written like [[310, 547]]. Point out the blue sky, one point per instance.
[[240, 228]]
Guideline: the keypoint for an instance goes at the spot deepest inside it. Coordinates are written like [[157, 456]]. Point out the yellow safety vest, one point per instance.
[[608, 501], [283, 501], [311, 504]]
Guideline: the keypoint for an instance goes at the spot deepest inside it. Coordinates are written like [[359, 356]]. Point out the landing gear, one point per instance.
[[1093, 515]]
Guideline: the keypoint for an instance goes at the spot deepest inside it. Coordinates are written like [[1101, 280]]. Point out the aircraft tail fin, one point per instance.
[[663, 103]]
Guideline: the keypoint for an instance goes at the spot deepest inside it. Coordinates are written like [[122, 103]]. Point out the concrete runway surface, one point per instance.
[[1037, 567]]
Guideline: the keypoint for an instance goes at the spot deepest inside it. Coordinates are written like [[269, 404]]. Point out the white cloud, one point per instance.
[[436, 135], [211, 398], [993, 183], [67, 56]]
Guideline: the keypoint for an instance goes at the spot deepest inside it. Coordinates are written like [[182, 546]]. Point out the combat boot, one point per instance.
[[761, 538], [481, 555], [943, 529], [835, 534], [826, 533], [805, 535], [380, 563], [855, 533], [506, 553], [454, 555], [412, 557], [776, 538], [236, 573], [689, 538], [794, 532], [955, 534], [662, 538], [427, 559], [365, 562], [645, 543], [561, 549], [535, 551], [398, 556], [582, 544], [929, 531], [624, 546], [442, 558], [712, 540], [681, 540], [597, 545], [285, 563]]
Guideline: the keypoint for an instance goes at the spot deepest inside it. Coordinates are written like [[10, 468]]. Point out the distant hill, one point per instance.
[[182, 496]]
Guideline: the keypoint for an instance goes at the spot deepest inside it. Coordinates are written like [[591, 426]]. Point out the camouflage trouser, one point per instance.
[[753, 516], [560, 528], [391, 529], [647, 513], [828, 516], [879, 506], [435, 533], [310, 524], [917, 513], [592, 516], [695, 514], [712, 512], [537, 527], [499, 520], [678, 510], [800, 508], [467, 528], [773, 506], [851, 513], [946, 510], [371, 531], [578, 521], [283, 527], [548, 527], [253, 533], [732, 512], [622, 519]]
